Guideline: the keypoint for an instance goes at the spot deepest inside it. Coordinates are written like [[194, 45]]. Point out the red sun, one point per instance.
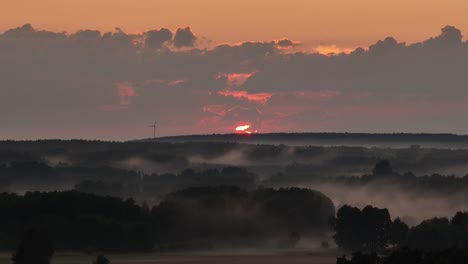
[[243, 129]]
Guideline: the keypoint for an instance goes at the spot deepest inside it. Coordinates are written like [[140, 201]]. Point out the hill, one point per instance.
[[331, 139]]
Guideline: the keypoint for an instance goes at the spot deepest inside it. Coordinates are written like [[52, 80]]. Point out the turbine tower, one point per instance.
[[154, 128]]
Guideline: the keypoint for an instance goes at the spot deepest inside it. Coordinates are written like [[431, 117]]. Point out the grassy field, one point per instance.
[[193, 258]]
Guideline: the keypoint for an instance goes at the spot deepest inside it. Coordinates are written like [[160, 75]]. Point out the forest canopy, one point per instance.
[[78, 221]]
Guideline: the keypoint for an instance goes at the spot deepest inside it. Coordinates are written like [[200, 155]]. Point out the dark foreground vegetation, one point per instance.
[[79, 221], [187, 219], [216, 217], [376, 239], [372, 230], [409, 256]]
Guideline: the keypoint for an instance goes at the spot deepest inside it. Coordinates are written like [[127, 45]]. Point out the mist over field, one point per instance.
[[409, 205], [148, 171], [206, 198]]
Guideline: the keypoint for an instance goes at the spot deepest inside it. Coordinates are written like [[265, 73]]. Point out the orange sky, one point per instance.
[[347, 23]]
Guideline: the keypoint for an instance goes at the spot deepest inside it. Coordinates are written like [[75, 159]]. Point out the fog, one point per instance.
[[410, 206], [149, 170], [141, 165]]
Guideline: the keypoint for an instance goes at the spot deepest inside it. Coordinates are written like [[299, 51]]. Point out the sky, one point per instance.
[[108, 69], [343, 22]]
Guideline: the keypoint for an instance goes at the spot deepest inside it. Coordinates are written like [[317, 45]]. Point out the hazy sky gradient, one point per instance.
[[343, 22], [169, 62]]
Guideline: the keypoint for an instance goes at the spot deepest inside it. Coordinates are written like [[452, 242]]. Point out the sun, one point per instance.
[[243, 129]]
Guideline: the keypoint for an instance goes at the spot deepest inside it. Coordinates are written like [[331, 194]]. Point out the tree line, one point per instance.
[[107, 180], [371, 234], [186, 219], [205, 217]]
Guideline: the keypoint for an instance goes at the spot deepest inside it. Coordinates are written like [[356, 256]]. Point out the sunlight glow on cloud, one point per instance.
[[235, 79], [219, 110], [175, 82], [261, 98], [125, 92], [332, 50]]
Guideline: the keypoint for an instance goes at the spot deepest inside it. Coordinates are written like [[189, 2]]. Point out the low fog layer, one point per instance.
[[410, 206], [425, 182]]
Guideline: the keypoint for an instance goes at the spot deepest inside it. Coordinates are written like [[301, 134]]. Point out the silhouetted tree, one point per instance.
[[359, 258], [369, 229], [347, 225], [399, 232], [432, 234], [145, 208], [460, 219], [77, 221], [101, 259], [233, 214], [382, 168], [34, 248]]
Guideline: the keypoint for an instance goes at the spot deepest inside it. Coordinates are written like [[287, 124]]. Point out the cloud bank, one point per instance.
[[110, 85]]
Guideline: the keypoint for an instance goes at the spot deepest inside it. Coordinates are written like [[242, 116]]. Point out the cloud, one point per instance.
[[86, 34], [286, 43], [58, 81], [249, 53], [256, 97], [386, 47], [449, 37], [26, 29], [332, 50], [27, 32], [235, 78], [175, 82], [184, 38], [125, 92], [156, 38]]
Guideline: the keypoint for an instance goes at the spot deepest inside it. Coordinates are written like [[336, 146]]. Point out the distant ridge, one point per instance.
[[331, 139]]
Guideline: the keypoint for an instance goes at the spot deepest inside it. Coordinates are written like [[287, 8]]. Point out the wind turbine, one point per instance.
[[154, 128]]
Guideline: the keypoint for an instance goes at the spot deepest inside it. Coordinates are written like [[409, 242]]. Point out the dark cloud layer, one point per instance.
[[286, 43], [184, 38], [156, 38], [111, 84]]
